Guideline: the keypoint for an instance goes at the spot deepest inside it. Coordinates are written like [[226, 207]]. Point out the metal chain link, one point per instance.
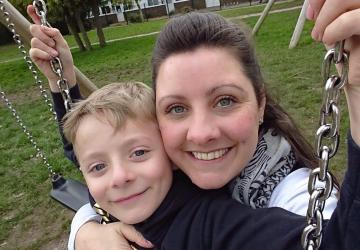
[[56, 64], [328, 131], [105, 216], [39, 153], [43, 92], [27, 58]]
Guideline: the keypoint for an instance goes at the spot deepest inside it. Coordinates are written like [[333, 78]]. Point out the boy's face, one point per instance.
[[127, 170]]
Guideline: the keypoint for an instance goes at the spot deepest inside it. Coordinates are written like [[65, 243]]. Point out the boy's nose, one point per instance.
[[121, 176]]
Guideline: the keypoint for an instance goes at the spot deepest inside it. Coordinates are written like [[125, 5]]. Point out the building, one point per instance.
[[114, 13]]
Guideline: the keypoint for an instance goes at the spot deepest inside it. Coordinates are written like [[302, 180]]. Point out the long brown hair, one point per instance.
[[193, 30]]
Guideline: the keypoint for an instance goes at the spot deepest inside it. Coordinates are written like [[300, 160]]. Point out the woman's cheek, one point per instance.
[[244, 126], [169, 134]]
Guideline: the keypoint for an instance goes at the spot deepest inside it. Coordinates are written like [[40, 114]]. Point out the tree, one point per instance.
[[75, 8], [72, 28], [140, 11], [95, 11], [61, 11]]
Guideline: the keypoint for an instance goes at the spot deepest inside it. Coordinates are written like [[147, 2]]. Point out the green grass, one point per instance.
[[120, 31], [234, 12], [29, 219]]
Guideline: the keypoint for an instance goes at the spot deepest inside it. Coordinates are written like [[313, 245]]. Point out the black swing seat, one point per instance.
[[70, 193]]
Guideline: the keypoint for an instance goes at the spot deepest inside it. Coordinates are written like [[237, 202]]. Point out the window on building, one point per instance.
[[153, 2]]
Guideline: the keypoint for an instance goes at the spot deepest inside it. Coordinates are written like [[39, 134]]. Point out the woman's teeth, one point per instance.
[[210, 155]]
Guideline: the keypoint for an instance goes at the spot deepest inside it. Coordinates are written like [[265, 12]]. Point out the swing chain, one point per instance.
[[328, 131], [33, 70], [27, 58], [39, 153], [56, 64], [41, 11]]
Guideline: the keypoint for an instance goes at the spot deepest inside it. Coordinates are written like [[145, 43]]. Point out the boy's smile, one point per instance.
[[127, 170]]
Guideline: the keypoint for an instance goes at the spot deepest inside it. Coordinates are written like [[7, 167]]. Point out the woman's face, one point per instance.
[[208, 115]]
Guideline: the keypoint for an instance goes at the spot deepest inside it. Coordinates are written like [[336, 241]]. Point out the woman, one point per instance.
[[206, 151]]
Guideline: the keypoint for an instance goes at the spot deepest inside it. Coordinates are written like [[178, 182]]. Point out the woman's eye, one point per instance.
[[225, 102], [176, 109]]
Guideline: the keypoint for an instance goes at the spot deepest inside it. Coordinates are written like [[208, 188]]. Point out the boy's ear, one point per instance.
[[173, 167]]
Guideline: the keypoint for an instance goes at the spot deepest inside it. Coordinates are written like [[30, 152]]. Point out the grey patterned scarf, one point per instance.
[[272, 161]]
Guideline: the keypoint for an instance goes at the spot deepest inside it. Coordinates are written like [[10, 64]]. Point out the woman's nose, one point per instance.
[[202, 129]]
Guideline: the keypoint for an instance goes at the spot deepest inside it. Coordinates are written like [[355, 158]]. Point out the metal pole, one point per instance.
[[22, 26], [299, 26], [262, 17]]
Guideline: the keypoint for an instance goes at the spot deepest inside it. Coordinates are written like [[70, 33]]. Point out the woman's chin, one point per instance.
[[208, 181]]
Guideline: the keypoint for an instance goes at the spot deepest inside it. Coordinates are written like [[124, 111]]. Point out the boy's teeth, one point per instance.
[[209, 156]]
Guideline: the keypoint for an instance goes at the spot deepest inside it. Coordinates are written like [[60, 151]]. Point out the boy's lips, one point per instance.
[[130, 197]]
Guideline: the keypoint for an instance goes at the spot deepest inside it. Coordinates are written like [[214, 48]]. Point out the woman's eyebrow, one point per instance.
[[228, 85], [164, 98]]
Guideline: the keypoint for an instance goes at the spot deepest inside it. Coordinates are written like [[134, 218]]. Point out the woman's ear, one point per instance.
[[262, 106]]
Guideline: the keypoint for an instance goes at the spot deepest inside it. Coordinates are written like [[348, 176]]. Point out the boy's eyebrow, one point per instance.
[[135, 139]]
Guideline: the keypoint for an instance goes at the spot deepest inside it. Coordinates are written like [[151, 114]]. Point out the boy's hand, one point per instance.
[[111, 236], [337, 20], [46, 44]]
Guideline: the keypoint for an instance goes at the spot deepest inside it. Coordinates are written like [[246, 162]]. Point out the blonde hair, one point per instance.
[[117, 102]]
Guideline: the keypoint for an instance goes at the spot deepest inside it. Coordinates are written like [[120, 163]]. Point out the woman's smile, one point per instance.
[[208, 156]]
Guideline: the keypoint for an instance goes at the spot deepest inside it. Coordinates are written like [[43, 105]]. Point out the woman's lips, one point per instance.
[[211, 156]]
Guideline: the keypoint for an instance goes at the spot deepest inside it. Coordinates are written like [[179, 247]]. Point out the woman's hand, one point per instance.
[[46, 44], [110, 236], [337, 20]]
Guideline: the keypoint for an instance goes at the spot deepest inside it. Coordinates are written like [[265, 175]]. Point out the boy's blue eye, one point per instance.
[[139, 152], [225, 102], [98, 167]]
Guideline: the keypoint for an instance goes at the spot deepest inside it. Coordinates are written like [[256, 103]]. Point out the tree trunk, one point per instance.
[[72, 28], [140, 12], [99, 31], [82, 30]]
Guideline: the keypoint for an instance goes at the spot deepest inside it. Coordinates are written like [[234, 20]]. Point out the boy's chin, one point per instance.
[[133, 218]]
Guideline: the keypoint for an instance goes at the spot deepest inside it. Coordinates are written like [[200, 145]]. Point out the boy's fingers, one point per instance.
[[343, 27], [130, 233], [55, 35], [38, 44], [31, 12], [310, 14], [315, 6], [37, 54], [36, 31], [330, 10]]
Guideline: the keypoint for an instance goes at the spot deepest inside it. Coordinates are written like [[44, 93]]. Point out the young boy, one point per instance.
[[119, 149]]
